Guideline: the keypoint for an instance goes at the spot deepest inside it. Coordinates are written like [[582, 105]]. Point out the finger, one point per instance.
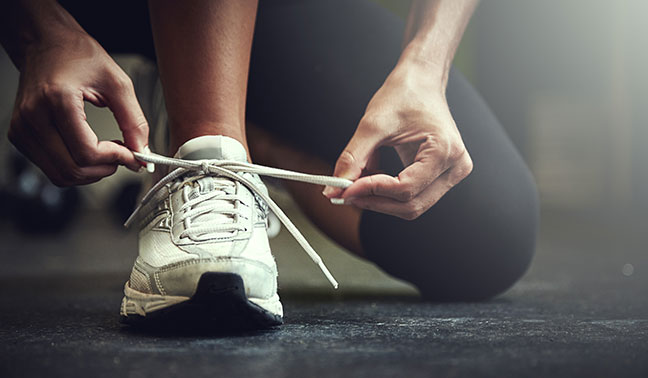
[[356, 156], [122, 101], [407, 185], [421, 203], [49, 152], [411, 209], [430, 163], [122, 155], [68, 172], [82, 143]]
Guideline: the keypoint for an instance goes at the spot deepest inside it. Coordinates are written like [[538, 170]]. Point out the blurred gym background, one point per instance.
[[566, 79]]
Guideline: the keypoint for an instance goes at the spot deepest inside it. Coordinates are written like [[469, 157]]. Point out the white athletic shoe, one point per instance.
[[203, 249], [204, 258]]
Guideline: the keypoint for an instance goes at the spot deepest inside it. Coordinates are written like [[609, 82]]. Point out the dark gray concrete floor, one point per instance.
[[580, 311]]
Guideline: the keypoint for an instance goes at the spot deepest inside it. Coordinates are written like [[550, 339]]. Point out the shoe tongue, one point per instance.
[[212, 147]]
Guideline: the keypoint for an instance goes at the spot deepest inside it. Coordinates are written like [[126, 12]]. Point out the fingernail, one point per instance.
[[341, 201], [150, 167], [327, 191]]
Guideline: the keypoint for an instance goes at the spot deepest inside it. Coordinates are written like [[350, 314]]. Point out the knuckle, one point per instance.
[[86, 157], [24, 111], [413, 210], [369, 120], [409, 215], [54, 94], [140, 125], [346, 159], [406, 194], [122, 82], [468, 167], [438, 144], [113, 156], [435, 141], [419, 209], [445, 147], [462, 171], [77, 175], [73, 175], [370, 123], [457, 150]]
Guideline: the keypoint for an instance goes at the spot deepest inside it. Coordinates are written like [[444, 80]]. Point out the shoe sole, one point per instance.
[[219, 304]]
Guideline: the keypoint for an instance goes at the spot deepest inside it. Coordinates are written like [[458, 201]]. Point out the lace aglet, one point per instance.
[[128, 221], [328, 275], [131, 218]]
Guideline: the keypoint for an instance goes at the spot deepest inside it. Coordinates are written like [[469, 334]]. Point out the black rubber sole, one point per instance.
[[219, 305]]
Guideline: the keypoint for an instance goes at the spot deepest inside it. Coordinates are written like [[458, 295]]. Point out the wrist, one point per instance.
[[429, 63], [424, 78]]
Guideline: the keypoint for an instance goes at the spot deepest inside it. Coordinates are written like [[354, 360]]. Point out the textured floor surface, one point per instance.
[[582, 310]]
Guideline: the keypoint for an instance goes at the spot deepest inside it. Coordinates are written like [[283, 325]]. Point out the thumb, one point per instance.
[[129, 116], [354, 159]]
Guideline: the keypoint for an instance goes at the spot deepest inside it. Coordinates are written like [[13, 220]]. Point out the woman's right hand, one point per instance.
[[49, 124]]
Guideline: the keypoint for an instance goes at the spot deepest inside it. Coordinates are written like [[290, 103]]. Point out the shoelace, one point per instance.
[[229, 169], [199, 212]]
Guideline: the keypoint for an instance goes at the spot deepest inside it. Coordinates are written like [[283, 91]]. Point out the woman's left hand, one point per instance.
[[410, 113]]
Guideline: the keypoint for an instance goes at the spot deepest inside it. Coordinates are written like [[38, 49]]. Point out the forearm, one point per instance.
[[203, 50], [434, 30], [27, 24]]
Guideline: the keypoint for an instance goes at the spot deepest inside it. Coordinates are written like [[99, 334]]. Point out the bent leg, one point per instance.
[[315, 65], [480, 237]]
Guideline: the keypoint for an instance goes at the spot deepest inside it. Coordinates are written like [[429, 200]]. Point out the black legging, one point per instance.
[[315, 65]]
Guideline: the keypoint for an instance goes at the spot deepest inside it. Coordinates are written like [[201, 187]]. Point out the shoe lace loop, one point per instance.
[[198, 213], [231, 169]]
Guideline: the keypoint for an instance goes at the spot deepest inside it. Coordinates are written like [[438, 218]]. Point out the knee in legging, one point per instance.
[[472, 257]]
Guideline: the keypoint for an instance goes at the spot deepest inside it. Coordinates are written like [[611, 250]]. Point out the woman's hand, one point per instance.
[[410, 113], [49, 123]]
